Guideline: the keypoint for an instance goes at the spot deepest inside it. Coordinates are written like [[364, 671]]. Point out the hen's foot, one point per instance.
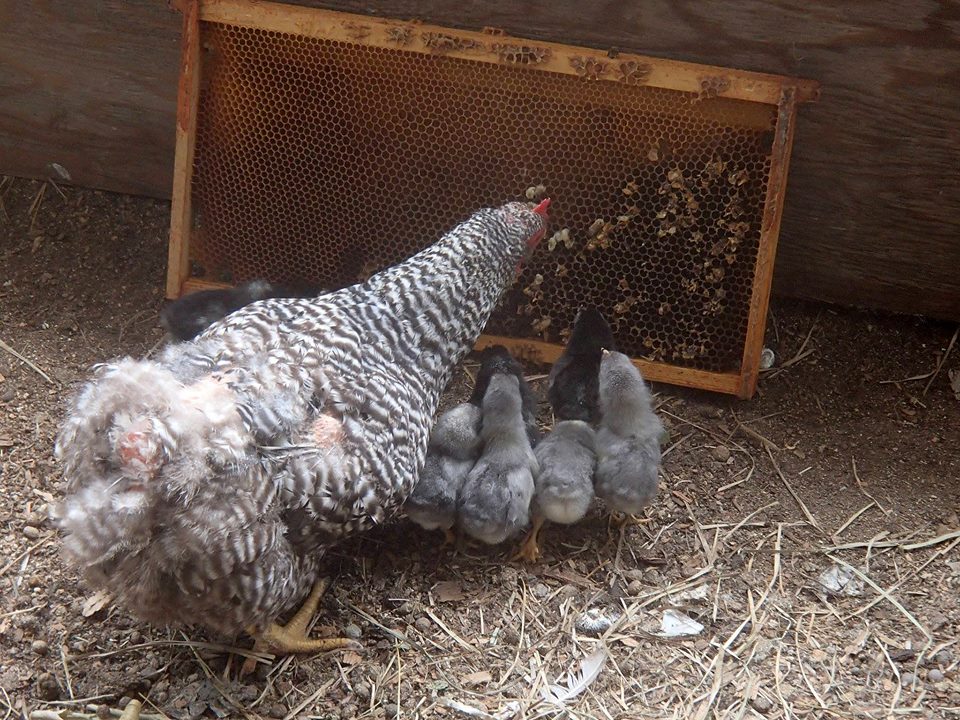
[[530, 551], [292, 637]]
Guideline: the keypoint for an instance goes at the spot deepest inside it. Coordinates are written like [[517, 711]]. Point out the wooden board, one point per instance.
[[91, 86], [872, 214]]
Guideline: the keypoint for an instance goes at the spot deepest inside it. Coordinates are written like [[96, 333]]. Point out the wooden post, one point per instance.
[[178, 266], [769, 233]]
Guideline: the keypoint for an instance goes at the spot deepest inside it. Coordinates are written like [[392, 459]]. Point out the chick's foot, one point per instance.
[[449, 538], [530, 550]]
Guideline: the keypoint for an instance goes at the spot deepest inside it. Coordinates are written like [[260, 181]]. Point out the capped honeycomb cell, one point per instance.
[[327, 146]]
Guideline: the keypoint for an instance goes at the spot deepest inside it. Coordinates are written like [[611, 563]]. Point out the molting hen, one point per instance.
[[204, 486]]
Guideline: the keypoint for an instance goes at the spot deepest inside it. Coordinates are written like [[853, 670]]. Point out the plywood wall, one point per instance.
[[873, 205]]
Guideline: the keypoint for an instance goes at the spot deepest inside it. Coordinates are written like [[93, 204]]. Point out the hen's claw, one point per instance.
[[292, 637]]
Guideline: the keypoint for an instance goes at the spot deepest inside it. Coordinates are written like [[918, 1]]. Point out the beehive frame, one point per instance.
[[753, 113]]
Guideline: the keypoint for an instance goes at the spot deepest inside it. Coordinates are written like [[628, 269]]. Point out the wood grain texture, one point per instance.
[[872, 212], [92, 86]]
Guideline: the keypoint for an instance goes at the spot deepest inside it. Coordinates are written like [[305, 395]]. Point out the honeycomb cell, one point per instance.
[[324, 161]]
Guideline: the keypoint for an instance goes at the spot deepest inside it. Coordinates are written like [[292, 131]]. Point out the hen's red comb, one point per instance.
[[542, 208]]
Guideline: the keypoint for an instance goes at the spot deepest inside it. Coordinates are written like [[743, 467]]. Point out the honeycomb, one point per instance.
[[322, 161]]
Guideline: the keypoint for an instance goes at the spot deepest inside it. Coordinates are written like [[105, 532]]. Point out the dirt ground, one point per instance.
[[832, 464]]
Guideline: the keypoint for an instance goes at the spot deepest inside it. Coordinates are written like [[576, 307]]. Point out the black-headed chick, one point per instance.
[[572, 385]]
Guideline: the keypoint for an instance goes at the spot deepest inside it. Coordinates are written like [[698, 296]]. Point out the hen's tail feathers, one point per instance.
[[134, 437]]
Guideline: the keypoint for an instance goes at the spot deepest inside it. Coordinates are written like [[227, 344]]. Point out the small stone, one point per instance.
[[944, 657], [124, 701], [540, 591], [103, 712], [406, 608], [276, 710], [935, 675], [34, 519], [634, 588], [136, 638], [31, 533], [710, 411], [907, 679], [634, 574], [761, 704], [423, 624], [352, 631], [39, 647], [721, 453], [391, 710], [47, 687]]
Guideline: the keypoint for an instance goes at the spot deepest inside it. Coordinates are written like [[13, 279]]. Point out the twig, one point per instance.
[[801, 353], [853, 518], [66, 670], [456, 638], [941, 362], [810, 518], [216, 682], [213, 647], [38, 544], [886, 595], [310, 699], [41, 373], [856, 476], [35, 205]]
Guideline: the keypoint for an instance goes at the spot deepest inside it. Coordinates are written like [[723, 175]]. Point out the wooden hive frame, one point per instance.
[[781, 93]]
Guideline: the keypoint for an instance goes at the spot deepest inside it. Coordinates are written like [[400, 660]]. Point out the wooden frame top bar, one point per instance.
[[505, 49]]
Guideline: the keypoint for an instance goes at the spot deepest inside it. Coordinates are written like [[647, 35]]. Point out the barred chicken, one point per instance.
[[204, 486]]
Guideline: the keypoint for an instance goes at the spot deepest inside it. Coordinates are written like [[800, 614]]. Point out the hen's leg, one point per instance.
[[292, 637], [530, 551]]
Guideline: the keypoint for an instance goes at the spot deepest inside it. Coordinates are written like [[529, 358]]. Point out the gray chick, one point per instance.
[[628, 438], [564, 487], [454, 447], [494, 502]]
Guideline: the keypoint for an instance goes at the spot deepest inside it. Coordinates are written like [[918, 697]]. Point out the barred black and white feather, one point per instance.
[[204, 485]]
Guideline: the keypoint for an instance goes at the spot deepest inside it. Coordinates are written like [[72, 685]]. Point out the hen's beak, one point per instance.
[[542, 208]]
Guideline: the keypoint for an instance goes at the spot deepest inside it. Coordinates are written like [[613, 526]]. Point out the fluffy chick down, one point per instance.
[[628, 438], [454, 447], [494, 502]]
